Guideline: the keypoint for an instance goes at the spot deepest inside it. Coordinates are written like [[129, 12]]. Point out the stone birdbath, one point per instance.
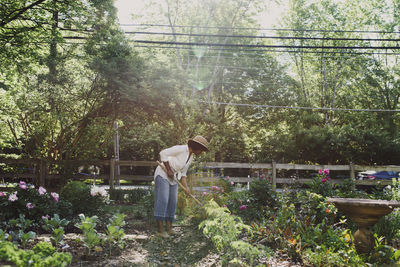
[[364, 213]]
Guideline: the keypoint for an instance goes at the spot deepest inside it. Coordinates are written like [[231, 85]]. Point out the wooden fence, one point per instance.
[[42, 171]]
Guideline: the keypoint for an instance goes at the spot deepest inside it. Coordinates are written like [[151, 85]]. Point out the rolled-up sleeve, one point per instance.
[[170, 152]]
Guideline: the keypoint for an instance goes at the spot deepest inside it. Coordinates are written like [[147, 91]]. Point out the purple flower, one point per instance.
[[13, 197], [55, 196], [243, 207], [42, 190], [2, 194], [22, 185], [29, 205], [324, 180]]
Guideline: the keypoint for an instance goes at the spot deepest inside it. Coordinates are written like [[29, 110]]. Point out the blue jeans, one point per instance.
[[165, 199]]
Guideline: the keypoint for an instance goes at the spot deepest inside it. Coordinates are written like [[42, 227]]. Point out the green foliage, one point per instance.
[[320, 184], [78, 194], [132, 196], [27, 205], [225, 231], [347, 189], [114, 231], [395, 189], [255, 203], [42, 255], [389, 227], [90, 236], [54, 223]]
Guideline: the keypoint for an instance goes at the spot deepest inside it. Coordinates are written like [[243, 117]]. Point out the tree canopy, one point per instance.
[[316, 92]]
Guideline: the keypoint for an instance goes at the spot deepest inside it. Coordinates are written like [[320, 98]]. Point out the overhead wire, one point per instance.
[[254, 28], [297, 107], [263, 37]]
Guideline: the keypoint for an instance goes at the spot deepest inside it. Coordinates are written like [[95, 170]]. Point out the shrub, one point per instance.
[[320, 184], [79, 195], [32, 202], [132, 196], [225, 231], [262, 193]]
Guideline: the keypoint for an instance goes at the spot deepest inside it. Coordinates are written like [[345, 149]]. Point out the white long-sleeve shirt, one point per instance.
[[179, 161]]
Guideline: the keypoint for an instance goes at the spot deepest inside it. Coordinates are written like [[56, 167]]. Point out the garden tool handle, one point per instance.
[[179, 183]]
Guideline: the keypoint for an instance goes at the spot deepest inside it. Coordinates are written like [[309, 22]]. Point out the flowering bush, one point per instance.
[[83, 199], [321, 185], [32, 202]]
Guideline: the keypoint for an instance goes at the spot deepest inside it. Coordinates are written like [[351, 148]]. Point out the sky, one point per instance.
[[267, 20]]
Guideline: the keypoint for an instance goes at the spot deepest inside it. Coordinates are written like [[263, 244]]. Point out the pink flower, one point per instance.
[[232, 183], [320, 171], [29, 205], [324, 180], [55, 196], [222, 190], [326, 171], [225, 206], [46, 217], [22, 185], [216, 188], [42, 190], [243, 207], [13, 197], [2, 194], [205, 193]]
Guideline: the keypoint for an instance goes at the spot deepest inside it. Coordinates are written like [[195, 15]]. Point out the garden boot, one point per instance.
[[160, 230], [170, 231]]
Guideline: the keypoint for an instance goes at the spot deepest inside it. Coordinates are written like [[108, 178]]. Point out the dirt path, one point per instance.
[[188, 248]]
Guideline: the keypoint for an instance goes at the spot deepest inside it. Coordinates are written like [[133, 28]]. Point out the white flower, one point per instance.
[[98, 191], [13, 197], [41, 190], [55, 196]]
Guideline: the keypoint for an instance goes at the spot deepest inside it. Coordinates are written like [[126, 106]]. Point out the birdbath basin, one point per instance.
[[364, 213]]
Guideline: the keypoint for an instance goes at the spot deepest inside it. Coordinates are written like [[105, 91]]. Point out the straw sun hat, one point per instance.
[[199, 140]]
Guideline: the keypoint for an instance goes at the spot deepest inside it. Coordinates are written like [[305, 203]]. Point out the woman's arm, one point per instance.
[[185, 186]]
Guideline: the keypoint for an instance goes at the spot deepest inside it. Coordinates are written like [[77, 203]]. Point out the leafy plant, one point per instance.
[[114, 231], [54, 222], [87, 226], [25, 237], [225, 231], [43, 254]]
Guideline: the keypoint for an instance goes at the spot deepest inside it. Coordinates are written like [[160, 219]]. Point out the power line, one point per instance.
[[264, 37], [293, 107], [273, 50], [253, 28], [265, 46]]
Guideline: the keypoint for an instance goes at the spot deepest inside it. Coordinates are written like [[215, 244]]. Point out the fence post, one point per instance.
[[43, 168], [112, 173], [352, 174], [273, 175]]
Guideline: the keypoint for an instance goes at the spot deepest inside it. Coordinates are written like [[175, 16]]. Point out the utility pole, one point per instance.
[[116, 151]]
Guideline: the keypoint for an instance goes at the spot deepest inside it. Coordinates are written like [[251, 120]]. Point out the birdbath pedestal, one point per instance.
[[364, 213]]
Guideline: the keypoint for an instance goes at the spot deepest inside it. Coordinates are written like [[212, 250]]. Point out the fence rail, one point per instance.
[[41, 171]]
